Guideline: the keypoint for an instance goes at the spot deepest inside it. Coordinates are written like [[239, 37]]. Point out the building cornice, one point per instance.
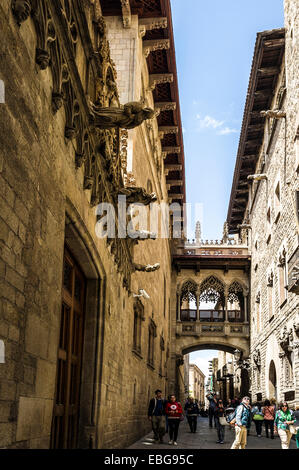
[[266, 66]]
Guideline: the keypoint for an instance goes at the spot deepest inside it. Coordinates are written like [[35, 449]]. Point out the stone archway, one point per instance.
[[272, 381]]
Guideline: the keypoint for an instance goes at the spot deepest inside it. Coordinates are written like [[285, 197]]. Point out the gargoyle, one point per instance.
[[148, 269], [137, 195], [129, 116], [145, 235]]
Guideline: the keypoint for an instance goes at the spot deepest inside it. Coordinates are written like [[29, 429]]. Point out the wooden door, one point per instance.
[[66, 405]]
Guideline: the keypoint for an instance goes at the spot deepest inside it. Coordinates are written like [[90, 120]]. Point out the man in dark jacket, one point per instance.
[[156, 414], [191, 407], [212, 405]]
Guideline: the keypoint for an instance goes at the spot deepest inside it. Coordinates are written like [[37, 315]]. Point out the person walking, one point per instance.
[[258, 418], [269, 416], [296, 414], [192, 411], [156, 414], [242, 422], [273, 403], [220, 418], [212, 405], [283, 419], [174, 412]]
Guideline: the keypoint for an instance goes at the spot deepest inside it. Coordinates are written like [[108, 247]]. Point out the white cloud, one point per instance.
[[227, 130], [209, 122]]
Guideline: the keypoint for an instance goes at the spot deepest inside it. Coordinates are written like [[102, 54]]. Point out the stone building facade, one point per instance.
[[265, 201], [84, 348], [197, 384]]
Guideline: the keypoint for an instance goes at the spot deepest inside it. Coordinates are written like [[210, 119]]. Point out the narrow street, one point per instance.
[[206, 438]]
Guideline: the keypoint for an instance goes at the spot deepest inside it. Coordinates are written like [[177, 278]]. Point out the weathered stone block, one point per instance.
[[45, 379], [36, 337]]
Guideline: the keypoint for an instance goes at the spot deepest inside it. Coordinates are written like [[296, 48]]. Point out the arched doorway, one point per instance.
[[272, 381], [66, 409]]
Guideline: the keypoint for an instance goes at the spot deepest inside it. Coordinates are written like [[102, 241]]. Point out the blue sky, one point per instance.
[[214, 49]]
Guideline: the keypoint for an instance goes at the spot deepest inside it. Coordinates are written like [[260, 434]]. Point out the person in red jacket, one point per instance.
[[174, 412]]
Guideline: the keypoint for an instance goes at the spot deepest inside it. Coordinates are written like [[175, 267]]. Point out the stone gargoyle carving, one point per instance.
[[284, 338], [129, 116], [148, 269], [295, 274], [137, 195], [257, 358], [145, 235]]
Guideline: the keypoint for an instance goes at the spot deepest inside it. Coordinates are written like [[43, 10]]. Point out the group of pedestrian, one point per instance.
[[280, 421], [166, 415], [159, 411]]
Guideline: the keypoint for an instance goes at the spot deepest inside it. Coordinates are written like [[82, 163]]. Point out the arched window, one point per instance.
[[235, 300], [188, 301], [212, 300]]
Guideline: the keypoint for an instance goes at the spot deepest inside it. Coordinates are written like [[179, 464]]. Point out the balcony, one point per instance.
[[211, 316], [206, 328]]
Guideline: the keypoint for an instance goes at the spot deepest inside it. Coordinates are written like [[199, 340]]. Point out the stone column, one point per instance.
[[226, 312], [282, 377], [197, 307], [246, 307], [178, 306]]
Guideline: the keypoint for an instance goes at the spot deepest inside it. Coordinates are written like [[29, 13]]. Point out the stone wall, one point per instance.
[[269, 240], [42, 203]]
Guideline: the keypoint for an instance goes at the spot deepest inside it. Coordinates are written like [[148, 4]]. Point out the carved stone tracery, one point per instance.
[[101, 153], [212, 290]]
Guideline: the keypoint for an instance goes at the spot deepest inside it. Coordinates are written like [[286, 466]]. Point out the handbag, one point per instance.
[[258, 417], [293, 429], [182, 418], [222, 421]]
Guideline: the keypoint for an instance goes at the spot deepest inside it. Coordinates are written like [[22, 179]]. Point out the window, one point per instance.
[[134, 392], [152, 334], [282, 277], [277, 202], [258, 312], [138, 318], [162, 348], [270, 283], [297, 150], [268, 235]]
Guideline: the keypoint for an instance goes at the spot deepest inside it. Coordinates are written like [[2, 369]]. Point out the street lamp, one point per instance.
[[242, 364], [237, 355]]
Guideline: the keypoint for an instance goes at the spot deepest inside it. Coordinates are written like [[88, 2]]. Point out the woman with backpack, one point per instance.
[[269, 416], [258, 418], [283, 420]]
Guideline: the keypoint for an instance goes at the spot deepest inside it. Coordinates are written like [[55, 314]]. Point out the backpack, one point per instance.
[[231, 418]]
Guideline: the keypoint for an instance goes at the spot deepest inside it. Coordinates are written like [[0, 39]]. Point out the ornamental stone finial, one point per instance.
[[198, 232]]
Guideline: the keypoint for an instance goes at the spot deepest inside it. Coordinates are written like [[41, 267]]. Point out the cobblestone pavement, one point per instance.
[[206, 438]]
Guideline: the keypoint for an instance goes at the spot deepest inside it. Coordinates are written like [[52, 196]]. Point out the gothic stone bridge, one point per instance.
[[211, 307]]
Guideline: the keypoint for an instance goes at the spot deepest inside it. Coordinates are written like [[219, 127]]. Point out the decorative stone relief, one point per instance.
[[155, 45], [21, 10]]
